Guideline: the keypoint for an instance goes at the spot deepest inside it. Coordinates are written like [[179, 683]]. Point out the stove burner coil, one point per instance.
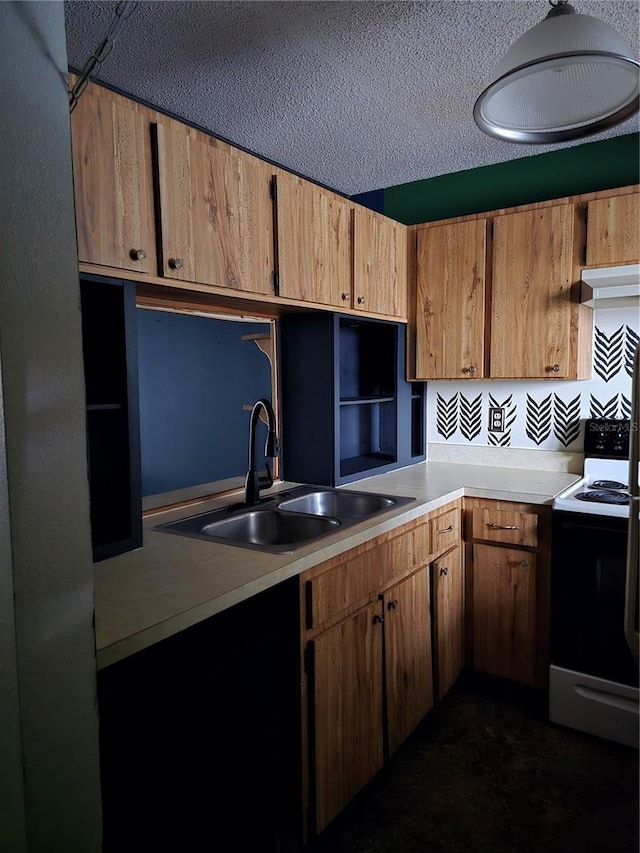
[[607, 484], [604, 497]]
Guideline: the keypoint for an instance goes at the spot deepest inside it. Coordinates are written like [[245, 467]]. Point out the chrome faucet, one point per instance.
[[254, 481]]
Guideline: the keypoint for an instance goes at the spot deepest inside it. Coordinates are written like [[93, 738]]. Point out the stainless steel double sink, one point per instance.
[[287, 520]]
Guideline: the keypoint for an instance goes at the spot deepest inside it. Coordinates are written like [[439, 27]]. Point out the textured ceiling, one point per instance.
[[355, 95]]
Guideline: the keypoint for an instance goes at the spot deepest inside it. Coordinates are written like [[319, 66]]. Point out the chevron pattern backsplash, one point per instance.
[[541, 414]]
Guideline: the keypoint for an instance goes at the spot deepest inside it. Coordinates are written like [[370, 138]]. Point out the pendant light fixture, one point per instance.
[[569, 76]]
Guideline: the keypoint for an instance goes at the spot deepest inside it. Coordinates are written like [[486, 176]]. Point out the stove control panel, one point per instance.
[[607, 438]]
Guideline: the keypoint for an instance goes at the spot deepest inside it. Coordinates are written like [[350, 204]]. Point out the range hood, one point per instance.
[[611, 287]]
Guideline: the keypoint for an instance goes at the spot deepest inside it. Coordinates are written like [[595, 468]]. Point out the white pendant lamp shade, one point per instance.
[[569, 76]]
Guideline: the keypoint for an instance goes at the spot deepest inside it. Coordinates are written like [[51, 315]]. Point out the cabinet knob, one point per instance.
[[471, 369], [378, 619], [360, 300], [392, 604], [345, 297], [444, 570], [524, 563], [556, 368], [176, 263], [138, 255]]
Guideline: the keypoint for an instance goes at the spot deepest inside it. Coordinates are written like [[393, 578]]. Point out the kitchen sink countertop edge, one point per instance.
[[174, 582]]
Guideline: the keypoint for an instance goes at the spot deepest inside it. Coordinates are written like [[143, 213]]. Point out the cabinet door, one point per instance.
[[314, 243], [379, 264], [531, 294], [504, 612], [113, 184], [450, 310], [408, 664], [448, 612], [613, 231], [347, 710], [216, 213]]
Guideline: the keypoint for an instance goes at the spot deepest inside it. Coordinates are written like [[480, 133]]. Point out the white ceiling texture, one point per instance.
[[355, 95]]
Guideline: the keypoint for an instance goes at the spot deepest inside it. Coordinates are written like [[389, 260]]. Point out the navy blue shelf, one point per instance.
[[113, 433], [347, 410]]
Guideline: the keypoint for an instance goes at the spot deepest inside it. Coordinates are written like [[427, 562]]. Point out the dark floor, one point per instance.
[[487, 773]]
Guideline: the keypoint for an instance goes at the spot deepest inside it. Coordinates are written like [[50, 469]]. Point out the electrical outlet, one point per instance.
[[496, 418]]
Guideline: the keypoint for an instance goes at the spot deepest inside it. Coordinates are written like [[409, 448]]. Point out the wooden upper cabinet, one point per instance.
[[113, 183], [314, 243], [531, 311], [450, 300], [379, 264], [215, 211], [613, 231]]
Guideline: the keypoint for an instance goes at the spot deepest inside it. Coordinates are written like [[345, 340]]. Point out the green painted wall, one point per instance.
[[570, 171]]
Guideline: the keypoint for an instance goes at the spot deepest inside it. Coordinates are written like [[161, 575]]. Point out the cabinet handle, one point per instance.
[[555, 368], [524, 563], [392, 604], [176, 263], [345, 297], [502, 526], [138, 255], [444, 570], [360, 300], [446, 529], [378, 619]]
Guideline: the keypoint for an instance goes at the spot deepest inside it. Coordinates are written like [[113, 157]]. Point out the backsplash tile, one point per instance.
[[540, 414]]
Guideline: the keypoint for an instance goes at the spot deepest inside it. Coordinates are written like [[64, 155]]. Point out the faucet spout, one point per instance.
[[253, 481]]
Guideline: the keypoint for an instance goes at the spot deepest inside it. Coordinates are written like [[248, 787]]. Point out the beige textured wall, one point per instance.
[[48, 659]]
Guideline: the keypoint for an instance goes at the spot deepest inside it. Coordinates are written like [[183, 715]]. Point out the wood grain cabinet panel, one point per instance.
[[314, 243], [613, 231], [444, 531], [408, 665], [346, 585], [508, 588], [531, 294], [509, 526], [448, 612], [216, 213], [347, 710], [113, 183], [504, 612], [409, 551], [379, 264], [450, 300]]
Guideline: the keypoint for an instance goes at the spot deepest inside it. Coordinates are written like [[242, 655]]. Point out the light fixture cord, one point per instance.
[[123, 12]]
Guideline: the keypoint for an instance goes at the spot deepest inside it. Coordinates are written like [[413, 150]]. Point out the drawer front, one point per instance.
[[345, 586], [509, 526], [408, 552], [444, 531]]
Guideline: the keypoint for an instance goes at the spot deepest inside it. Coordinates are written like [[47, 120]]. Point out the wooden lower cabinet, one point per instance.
[[408, 666], [448, 614], [508, 589], [368, 673], [347, 710], [504, 612]]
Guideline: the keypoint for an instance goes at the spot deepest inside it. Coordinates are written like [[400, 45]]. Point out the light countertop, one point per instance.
[[173, 582]]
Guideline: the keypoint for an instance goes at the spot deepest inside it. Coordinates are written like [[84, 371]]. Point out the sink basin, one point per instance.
[[270, 527], [338, 504], [285, 521], [265, 529]]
